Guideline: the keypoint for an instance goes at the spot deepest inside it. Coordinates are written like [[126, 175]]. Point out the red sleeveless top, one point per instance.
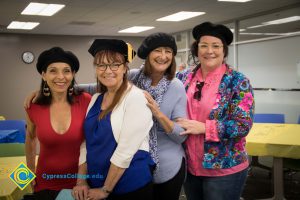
[[59, 153]]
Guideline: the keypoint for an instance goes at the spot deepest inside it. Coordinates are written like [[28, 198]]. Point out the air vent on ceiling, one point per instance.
[[82, 23]]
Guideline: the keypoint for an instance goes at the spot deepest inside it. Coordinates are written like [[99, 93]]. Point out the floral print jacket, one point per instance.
[[233, 115]]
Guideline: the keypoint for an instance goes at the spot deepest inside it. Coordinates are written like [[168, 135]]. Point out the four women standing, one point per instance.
[[220, 109]]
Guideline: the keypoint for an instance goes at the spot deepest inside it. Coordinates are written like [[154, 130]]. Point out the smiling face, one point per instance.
[[112, 79], [210, 52], [58, 76], [160, 59]]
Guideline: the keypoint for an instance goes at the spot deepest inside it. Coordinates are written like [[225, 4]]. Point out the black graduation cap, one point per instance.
[[113, 45]]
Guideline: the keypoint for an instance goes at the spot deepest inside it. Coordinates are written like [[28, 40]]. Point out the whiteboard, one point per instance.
[[270, 64]]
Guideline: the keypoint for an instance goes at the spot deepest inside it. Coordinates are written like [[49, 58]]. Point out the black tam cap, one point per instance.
[[154, 41], [113, 45], [56, 54], [216, 30]]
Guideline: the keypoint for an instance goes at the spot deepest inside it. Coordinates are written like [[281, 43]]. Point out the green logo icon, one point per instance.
[[22, 176]]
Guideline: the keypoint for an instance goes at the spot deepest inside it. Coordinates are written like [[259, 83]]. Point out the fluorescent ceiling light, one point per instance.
[[183, 15], [136, 29], [239, 1], [22, 25], [278, 21], [271, 34], [251, 33], [42, 9], [274, 33], [241, 30], [283, 20], [293, 33], [257, 26]]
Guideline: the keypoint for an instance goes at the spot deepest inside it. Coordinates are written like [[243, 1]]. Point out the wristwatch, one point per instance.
[[105, 190]]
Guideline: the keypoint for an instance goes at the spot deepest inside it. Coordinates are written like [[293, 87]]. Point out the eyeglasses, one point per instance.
[[112, 66], [197, 94], [214, 46]]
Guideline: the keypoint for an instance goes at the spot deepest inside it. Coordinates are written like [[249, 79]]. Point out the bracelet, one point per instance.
[[81, 183], [105, 190]]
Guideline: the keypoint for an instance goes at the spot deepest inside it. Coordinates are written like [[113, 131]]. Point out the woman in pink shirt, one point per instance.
[[220, 109]]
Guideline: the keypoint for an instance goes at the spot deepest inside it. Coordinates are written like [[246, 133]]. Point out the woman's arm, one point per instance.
[[80, 191], [90, 88], [30, 145], [113, 176], [165, 122], [135, 127], [191, 126], [237, 122], [31, 98], [178, 110], [175, 105], [239, 119]]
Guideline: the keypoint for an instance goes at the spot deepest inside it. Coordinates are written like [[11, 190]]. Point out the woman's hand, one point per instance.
[[33, 183], [152, 105], [80, 192], [191, 126], [96, 194], [31, 98]]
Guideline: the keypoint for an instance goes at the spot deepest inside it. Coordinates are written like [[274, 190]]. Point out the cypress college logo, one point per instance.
[[22, 176]]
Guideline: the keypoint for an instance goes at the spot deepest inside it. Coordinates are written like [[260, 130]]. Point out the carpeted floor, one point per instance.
[[258, 185]]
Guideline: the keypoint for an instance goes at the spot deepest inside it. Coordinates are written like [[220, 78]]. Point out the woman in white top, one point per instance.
[[118, 162]]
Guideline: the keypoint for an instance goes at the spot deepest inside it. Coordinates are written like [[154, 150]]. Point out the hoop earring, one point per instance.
[[46, 89], [71, 90]]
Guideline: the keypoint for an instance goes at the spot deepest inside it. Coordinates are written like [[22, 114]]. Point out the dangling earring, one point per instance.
[[71, 90], [46, 89]]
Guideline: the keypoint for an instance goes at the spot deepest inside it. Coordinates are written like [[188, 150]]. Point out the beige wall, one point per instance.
[[19, 79]]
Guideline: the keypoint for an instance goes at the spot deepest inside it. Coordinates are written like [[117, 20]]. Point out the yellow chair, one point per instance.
[[2, 117]]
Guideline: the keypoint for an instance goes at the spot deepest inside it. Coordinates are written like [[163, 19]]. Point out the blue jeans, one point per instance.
[[228, 187]]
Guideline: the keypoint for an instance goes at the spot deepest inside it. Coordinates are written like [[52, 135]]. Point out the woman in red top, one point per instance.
[[56, 120]]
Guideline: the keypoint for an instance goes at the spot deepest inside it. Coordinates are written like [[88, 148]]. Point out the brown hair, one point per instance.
[[111, 56], [170, 72]]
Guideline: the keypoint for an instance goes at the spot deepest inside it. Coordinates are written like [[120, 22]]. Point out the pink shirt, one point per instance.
[[203, 108]]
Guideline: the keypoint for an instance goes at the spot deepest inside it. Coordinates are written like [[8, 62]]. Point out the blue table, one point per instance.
[[9, 136]]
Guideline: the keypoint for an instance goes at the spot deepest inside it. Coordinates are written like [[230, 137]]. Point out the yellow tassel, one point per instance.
[[131, 52]]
